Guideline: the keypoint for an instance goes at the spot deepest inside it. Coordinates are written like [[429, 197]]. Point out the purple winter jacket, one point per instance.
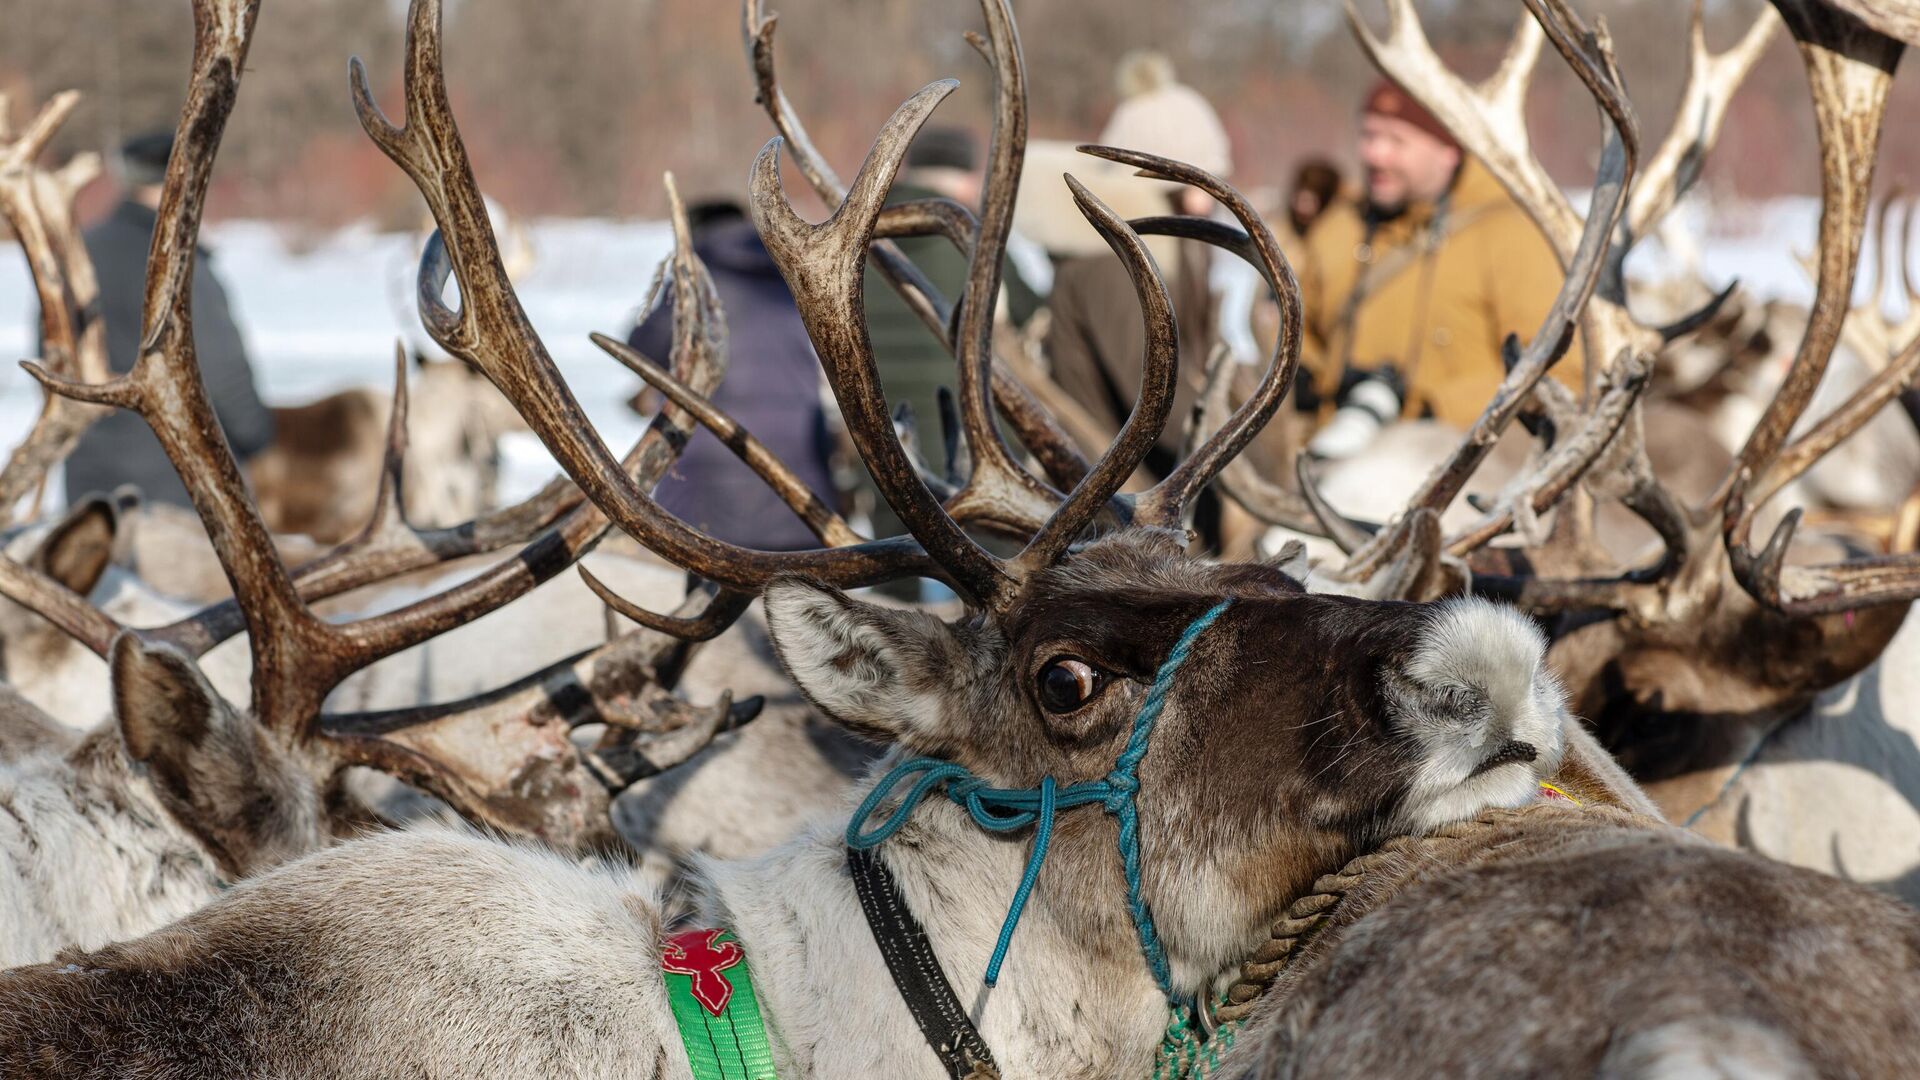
[[772, 387]]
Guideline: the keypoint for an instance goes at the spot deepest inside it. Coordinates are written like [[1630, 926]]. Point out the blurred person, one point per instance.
[[120, 448], [913, 364], [1316, 187], [772, 387], [1095, 340], [942, 162], [1409, 294]]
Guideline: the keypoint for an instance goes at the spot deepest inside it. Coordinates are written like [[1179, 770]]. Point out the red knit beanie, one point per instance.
[[1386, 99]]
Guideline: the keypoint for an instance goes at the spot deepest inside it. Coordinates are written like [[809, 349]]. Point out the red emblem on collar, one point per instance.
[[692, 953]]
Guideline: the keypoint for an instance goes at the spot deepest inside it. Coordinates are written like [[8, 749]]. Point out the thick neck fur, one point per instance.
[[1064, 1007], [92, 856], [1458, 957]]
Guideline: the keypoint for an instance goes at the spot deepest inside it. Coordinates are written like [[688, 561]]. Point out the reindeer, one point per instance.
[[140, 823], [312, 480], [179, 793], [1685, 675], [1690, 660], [1729, 368], [662, 819], [1121, 672]]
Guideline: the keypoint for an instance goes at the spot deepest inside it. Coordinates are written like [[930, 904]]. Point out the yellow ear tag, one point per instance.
[[1548, 791]]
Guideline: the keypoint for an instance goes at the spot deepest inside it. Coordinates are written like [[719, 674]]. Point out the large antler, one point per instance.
[[38, 205], [823, 264], [1850, 68], [997, 491], [491, 331], [297, 657], [1848, 64], [1489, 120]]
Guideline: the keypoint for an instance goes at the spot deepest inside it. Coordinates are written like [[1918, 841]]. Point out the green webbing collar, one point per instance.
[[711, 992]]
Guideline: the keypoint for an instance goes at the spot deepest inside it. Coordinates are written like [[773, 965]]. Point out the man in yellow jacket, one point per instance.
[[1411, 292]]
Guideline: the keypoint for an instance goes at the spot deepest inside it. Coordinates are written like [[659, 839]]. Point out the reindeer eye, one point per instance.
[[1066, 684]]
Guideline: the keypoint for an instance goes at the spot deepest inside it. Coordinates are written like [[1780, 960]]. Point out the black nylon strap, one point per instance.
[[916, 972]]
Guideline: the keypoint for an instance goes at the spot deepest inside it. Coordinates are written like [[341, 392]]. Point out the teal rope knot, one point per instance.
[[1005, 810]]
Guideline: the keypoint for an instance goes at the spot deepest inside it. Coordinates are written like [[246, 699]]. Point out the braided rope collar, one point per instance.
[[1011, 809], [1196, 1050], [1315, 907]]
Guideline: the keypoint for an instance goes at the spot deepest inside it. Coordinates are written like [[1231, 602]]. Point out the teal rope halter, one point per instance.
[[1011, 809]]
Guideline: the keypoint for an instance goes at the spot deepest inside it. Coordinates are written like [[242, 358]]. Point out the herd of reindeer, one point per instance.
[[1591, 751]]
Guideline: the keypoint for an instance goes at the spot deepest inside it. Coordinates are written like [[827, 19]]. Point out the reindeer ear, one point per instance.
[[164, 705], [880, 671], [79, 548]]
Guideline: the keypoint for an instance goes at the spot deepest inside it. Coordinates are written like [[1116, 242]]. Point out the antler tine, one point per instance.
[[1839, 425], [1591, 58], [491, 330], [823, 266], [996, 479], [1850, 68], [389, 502], [1052, 446], [1166, 503], [936, 216], [1571, 457], [722, 611], [1239, 480], [1883, 268], [819, 518], [1906, 261], [1347, 535], [39, 207], [944, 484], [1151, 407], [24, 149], [1819, 590], [59, 605], [1712, 79]]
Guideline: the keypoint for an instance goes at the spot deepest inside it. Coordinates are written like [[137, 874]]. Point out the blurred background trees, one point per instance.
[[575, 107]]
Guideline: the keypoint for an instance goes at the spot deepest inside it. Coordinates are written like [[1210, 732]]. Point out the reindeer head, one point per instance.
[[1299, 730]]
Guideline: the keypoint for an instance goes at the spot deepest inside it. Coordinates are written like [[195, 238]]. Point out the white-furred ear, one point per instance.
[[882, 672]]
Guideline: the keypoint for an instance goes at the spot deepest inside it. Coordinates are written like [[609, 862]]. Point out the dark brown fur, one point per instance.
[[315, 479], [1592, 943]]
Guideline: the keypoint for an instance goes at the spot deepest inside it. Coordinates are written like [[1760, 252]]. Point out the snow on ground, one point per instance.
[[324, 317], [319, 317]]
